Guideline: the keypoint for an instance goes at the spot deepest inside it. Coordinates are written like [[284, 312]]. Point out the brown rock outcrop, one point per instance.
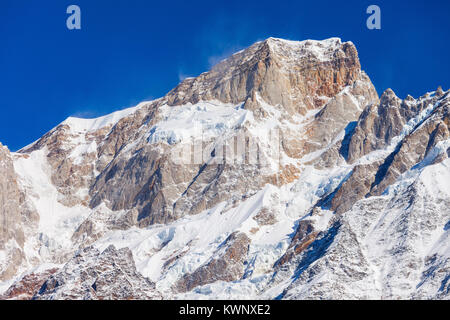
[[26, 288], [377, 131], [354, 188], [162, 191], [95, 275], [226, 265], [295, 75], [415, 147], [379, 123]]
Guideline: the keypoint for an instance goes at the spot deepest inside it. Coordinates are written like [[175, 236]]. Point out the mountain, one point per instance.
[[278, 174]]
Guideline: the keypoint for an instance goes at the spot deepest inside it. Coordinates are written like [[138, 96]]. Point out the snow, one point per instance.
[[413, 124], [195, 238], [57, 222], [203, 120], [33, 270], [373, 228], [82, 149], [322, 50], [153, 246], [394, 236], [80, 125]]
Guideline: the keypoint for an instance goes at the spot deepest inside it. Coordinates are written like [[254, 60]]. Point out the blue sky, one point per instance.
[[133, 50]]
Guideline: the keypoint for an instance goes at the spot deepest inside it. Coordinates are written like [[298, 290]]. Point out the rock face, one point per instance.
[[277, 174], [25, 288], [270, 72], [111, 161], [14, 213], [109, 275], [415, 146], [226, 265], [423, 132], [360, 257], [300, 76], [379, 124]]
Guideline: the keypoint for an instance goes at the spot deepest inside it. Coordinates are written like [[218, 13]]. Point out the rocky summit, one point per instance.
[[278, 174]]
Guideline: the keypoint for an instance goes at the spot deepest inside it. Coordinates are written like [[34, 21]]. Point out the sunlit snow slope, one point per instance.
[[278, 174]]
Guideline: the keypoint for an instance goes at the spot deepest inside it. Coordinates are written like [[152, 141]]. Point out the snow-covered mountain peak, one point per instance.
[[296, 181], [78, 124], [322, 50], [295, 76]]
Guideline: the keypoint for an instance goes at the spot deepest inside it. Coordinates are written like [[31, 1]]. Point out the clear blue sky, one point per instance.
[[133, 50]]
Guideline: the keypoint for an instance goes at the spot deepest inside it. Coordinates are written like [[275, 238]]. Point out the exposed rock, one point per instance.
[[26, 288], [91, 275], [114, 164], [375, 250], [355, 188], [374, 178], [265, 217], [380, 123], [14, 213], [338, 112], [335, 194], [303, 237], [227, 264], [162, 191], [415, 147], [288, 73]]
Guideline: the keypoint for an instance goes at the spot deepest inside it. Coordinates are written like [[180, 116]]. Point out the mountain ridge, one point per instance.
[[283, 143]]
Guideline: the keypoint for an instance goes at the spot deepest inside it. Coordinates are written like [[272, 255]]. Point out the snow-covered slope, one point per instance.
[[277, 174]]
